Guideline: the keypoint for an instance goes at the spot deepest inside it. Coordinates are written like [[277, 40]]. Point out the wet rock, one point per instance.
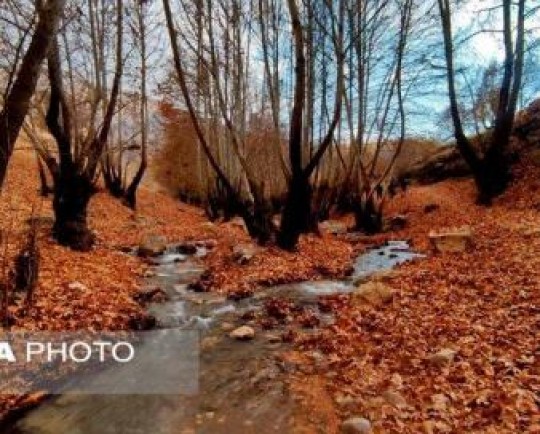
[[451, 240], [77, 286], [273, 338], [152, 245], [240, 294], [142, 322], [443, 357], [334, 227], [227, 326], [244, 333], [198, 286], [397, 223], [244, 253], [148, 295], [375, 293], [356, 425], [186, 248]]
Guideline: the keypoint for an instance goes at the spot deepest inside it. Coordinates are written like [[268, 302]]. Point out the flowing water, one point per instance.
[[241, 384]]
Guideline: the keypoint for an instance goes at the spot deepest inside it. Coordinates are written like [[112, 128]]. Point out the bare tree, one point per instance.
[[75, 171], [491, 168], [20, 92], [116, 159]]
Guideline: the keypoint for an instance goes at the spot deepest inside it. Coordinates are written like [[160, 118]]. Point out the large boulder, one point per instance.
[[443, 164], [451, 240], [152, 245], [375, 293]]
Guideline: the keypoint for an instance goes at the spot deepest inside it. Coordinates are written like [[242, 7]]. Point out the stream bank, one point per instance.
[[242, 385]]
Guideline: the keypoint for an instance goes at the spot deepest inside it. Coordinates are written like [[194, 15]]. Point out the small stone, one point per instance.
[[395, 399], [334, 227], [443, 357], [148, 295], [439, 402], [451, 240], [375, 293], [149, 273], [273, 338], [397, 222], [244, 333], [397, 381], [142, 322], [152, 245], [208, 244], [356, 425], [244, 253], [227, 326], [78, 286]]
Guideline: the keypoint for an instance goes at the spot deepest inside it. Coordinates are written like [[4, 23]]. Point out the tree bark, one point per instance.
[[492, 170], [18, 99]]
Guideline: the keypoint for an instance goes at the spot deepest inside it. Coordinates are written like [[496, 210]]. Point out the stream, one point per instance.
[[242, 385]]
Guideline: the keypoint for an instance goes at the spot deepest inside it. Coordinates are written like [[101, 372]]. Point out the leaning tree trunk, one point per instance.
[[18, 98], [44, 189], [130, 195], [72, 194]]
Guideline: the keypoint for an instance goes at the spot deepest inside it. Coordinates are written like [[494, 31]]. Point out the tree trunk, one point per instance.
[[18, 99], [258, 217], [297, 216], [44, 190], [368, 215], [130, 196], [72, 194], [492, 177]]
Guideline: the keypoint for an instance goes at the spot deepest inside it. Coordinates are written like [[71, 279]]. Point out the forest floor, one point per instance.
[[482, 307], [373, 362]]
